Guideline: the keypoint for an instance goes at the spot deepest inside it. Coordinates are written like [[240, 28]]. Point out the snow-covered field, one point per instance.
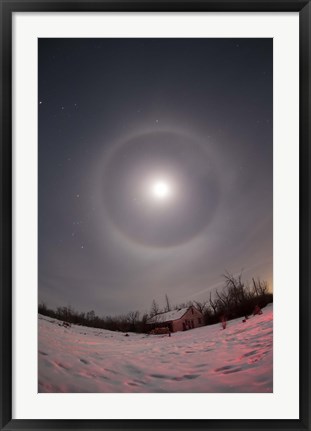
[[207, 359]]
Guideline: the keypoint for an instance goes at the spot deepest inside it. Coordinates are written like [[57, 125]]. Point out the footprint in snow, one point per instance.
[[104, 377], [160, 376], [225, 368], [60, 365], [228, 369], [234, 370], [201, 365], [191, 376], [251, 353], [111, 371], [178, 379]]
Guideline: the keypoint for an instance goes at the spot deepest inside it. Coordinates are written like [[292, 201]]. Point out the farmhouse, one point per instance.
[[177, 320]]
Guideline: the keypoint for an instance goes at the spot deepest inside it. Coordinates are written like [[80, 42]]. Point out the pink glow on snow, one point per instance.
[[206, 359]]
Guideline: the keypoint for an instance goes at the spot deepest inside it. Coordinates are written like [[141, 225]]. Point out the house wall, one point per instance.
[[192, 315]]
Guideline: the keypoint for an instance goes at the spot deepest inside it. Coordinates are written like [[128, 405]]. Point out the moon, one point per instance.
[[161, 190]]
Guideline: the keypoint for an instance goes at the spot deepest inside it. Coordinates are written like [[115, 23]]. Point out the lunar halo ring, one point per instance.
[[138, 158]]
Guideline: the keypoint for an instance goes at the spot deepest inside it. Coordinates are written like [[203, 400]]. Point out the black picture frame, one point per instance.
[[7, 9]]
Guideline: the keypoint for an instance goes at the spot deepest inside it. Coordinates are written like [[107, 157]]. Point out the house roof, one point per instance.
[[168, 316]]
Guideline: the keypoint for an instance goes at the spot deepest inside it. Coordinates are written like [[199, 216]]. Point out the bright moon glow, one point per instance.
[[161, 189]]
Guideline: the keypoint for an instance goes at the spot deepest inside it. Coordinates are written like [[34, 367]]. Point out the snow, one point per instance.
[[206, 359], [168, 316]]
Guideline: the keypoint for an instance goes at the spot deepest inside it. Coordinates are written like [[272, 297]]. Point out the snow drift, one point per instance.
[[206, 359]]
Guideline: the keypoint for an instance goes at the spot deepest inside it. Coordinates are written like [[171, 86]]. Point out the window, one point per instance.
[[200, 320]]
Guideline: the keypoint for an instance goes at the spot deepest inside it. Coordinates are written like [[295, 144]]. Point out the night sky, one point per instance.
[[155, 160]]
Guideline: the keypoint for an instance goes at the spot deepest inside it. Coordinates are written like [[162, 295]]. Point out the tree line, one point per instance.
[[130, 322], [235, 299]]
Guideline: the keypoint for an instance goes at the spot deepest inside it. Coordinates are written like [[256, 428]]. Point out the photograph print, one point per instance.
[[155, 215]]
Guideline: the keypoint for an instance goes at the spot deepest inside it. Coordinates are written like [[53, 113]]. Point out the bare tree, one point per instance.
[[200, 305], [155, 309], [260, 288], [90, 316], [212, 303], [167, 304], [236, 289], [223, 299], [132, 317]]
